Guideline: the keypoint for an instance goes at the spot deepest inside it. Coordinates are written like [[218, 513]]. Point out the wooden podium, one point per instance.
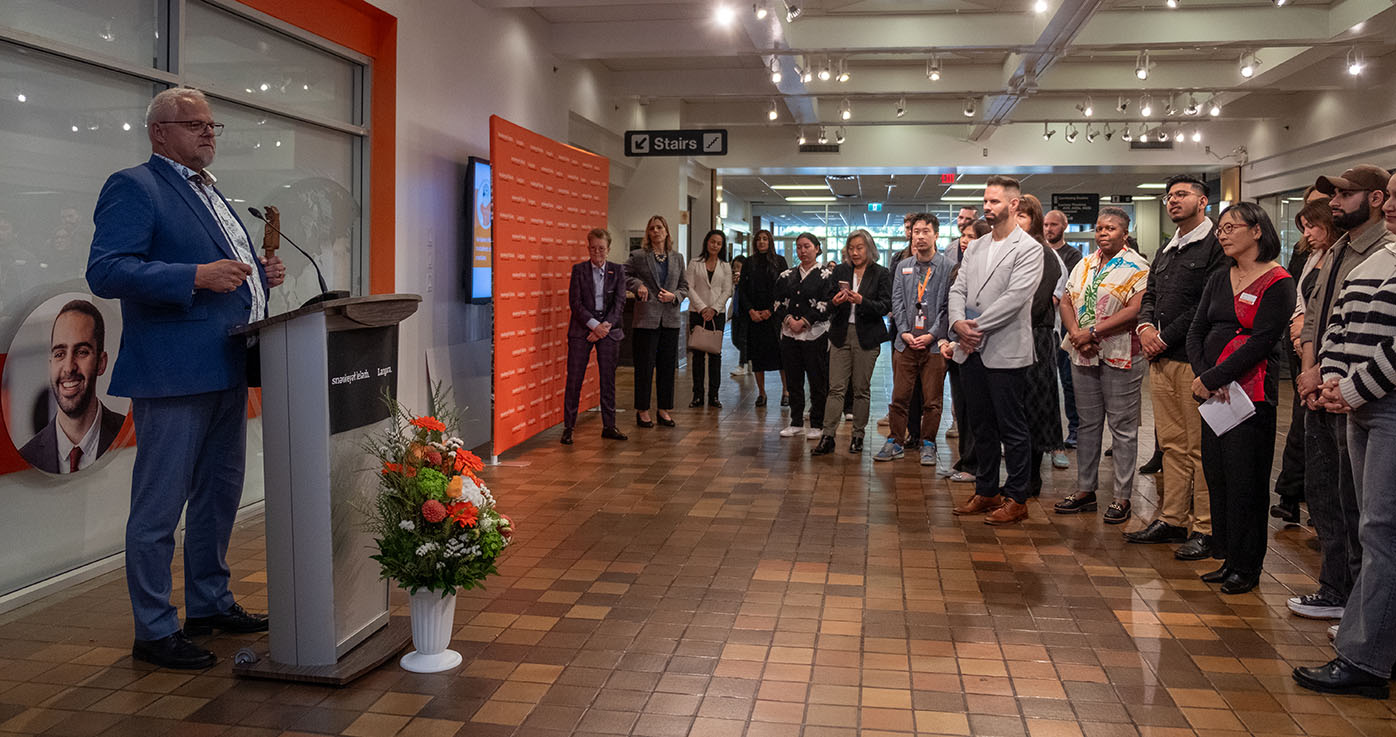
[[325, 369]]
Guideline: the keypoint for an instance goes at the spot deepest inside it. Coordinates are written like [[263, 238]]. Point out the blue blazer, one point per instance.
[[152, 230], [581, 298]]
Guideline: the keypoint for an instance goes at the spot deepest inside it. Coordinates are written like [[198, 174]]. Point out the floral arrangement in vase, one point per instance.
[[433, 518]]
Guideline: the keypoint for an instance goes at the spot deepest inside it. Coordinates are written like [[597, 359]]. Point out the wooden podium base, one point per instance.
[[380, 647]]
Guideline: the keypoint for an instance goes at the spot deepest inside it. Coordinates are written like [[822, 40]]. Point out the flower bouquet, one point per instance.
[[434, 522]]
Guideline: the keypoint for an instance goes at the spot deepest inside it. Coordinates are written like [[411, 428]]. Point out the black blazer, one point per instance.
[[42, 450], [581, 297], [876, 289]]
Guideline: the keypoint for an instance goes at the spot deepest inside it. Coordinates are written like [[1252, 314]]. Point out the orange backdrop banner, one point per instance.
[[547, 195]]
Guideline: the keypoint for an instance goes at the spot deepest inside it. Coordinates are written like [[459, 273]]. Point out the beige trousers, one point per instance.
[[1185, 501]]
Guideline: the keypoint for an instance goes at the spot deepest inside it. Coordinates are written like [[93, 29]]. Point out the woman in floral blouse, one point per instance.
[[802, 311]]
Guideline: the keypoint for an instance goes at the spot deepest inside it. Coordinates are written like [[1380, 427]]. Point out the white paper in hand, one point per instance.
[[1222, 416]]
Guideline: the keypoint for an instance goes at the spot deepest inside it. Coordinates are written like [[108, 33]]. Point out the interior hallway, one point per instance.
[[715, 580]]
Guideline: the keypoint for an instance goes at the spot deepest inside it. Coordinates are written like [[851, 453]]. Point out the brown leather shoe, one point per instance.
[[1011, 512], [979, 504]]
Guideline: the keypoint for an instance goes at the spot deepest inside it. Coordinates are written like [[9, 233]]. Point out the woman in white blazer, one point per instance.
[[709, 289]]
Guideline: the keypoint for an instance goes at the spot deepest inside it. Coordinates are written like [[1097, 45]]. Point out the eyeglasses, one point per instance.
[[197, 127], [1180, 194], [1227, 228]]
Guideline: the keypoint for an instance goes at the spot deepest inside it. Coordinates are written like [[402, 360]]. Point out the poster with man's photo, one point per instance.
[[56, 409]]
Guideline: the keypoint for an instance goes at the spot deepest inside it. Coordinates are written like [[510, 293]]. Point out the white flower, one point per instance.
[[425, 548], [408, 525], [475, 493]]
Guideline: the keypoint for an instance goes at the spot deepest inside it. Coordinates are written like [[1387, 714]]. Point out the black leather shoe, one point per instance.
[[1287, 511], [1338, 676], [235, 619], [1239, 583], [761, 401], [1116, 514], [566, 436], [697, 402], [1081, 501], [855, 446], [1158, 531], [714, 403], [665, 421], [824, 447], [1216, 576], [1153, 465], [1198, 547], [175, 651], [610, 433], [641, 422]]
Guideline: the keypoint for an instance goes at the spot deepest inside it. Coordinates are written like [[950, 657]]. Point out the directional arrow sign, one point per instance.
[[676, 143]]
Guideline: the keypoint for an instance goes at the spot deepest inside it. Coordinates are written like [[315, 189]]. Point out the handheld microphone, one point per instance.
[[325, 292]]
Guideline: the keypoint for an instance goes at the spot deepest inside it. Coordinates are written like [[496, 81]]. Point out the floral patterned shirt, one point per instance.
[[805, 295], [1100, 290]]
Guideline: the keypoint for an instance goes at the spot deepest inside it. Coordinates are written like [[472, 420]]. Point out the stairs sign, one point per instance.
[[676, 143]]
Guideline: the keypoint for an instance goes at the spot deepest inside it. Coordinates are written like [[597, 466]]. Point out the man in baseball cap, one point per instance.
[[1360, 178]]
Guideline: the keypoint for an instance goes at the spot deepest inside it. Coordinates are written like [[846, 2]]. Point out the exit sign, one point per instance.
[[874, 207], [947, 178]]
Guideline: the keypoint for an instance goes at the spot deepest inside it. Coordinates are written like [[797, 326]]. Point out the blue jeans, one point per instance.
[[1367, 635]]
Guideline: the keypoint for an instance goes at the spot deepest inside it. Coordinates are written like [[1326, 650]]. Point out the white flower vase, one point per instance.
[[433, 618]]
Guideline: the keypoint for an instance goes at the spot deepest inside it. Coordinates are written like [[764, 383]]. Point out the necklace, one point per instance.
[[661, 257], [1240, 278]]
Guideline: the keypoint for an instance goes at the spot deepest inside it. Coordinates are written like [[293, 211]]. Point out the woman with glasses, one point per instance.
[[1240, 322], [657, 279]]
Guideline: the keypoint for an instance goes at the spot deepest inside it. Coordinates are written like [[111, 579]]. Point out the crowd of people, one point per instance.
[[1028, 330]]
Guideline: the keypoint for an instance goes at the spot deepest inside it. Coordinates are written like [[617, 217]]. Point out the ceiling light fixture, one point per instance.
[[1168, 108], [1071, 133], [1213, 107], [1122, 103], [823, 135], [843, 70], [776, 76], [1249, 62], [1144, 135], [1178, 135], [1047, 134], [1279, 3], [1108, 131], [825, 70], [1172, 4], [1087, 109], [1039, 7], [1146, 106], [1142, 65], [901, 107], [801, 139], [845, 109], [1192, 107], [1197, 135], [774, 112], [724, 15], [760, 11], [1090, 134], [970, 107], [792, 12], [933, 68], [806, 72], [839, 135], [1126, 136], [1354, 62]]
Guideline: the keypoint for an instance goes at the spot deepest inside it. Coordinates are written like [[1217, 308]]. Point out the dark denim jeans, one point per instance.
[[1328, 488]]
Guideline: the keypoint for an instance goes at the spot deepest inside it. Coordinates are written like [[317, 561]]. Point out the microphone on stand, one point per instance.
[[325, 292]]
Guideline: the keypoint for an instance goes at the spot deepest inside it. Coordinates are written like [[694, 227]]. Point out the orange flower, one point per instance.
[[433, 511], [454, 487], [392, 468], [464, 513], [429, 423], [466, 459]]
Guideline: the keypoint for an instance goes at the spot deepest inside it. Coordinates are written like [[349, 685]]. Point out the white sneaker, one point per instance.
[[848, 415], [813, 433], [740, 370], [791, 431], [1315, 606]]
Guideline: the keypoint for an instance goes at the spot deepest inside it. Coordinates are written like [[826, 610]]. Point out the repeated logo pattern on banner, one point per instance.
[[547, 195]]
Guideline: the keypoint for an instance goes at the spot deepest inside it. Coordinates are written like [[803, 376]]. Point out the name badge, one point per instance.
[[1248, 298], [920, 322], [907, 270]]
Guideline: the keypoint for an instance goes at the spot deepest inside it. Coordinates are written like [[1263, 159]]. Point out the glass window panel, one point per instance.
[[306, 172], [234, 53], [76, 126], [123, 29]]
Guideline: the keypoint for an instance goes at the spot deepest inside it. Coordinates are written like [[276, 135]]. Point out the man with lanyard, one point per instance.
[[921, 326], [1356, 201], [1176, 280]]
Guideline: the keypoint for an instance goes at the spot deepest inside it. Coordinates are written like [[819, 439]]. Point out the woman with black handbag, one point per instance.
[[709, 288]]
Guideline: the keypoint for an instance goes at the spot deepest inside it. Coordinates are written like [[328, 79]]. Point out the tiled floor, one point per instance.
[[714, 580]]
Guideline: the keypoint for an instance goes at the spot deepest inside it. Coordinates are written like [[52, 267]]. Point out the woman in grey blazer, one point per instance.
[[655, 274]]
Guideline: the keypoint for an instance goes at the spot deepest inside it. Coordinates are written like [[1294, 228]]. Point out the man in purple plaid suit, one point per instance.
[[597, 298]]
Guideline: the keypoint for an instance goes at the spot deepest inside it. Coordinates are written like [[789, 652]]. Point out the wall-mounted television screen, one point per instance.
[[480, 256]]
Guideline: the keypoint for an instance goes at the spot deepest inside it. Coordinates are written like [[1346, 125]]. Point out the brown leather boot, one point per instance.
[[1010, 513], [979, 504]]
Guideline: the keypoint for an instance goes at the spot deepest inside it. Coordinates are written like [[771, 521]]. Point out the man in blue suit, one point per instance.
[[596, 296], [172, 250]]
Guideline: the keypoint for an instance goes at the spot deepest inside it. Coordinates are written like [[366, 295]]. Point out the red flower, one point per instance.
[[429, 423], [433, 458], [433, 511], [392, 468], [464, 513], [506, 526], [466, 459]]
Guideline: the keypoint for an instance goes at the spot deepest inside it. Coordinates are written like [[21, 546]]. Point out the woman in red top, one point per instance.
[[1235, 336]]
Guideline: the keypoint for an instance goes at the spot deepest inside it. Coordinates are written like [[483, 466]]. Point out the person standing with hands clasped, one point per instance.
[[856, 335], [658, 281], [758, 298], [802, 311], [171, 249], [1234, 341], [596, 296], [709, 288], [919, 296]]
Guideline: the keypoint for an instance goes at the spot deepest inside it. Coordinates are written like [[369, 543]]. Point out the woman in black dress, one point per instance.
[[757, 292], [1233, 345], [1043, 410]]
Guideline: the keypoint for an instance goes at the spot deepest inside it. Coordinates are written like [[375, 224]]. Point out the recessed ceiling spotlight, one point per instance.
[[1142, 65], [1047, 134], [1178, 135], [901, 107], [1144, 135]]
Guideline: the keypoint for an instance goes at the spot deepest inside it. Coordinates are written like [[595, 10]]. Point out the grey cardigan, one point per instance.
[[641, 270]]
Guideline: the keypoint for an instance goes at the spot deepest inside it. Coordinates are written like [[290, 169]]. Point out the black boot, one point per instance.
[[1154, 465], [824, 447]]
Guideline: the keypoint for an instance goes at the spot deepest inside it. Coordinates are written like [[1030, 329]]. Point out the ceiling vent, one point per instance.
[[819, 148], [844, 186]]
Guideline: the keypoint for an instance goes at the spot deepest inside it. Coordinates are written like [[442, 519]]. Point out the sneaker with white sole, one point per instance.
[[740, 370], [792, 431], [1316, 606], [928, 453], [1333, 632], [890, 451], [814, 433]]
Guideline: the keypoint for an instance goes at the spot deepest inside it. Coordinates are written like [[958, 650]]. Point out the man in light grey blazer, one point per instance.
[[990, 317]]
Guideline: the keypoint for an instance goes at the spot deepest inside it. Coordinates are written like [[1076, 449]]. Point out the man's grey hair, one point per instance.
[[869, 243], [166, 104]]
